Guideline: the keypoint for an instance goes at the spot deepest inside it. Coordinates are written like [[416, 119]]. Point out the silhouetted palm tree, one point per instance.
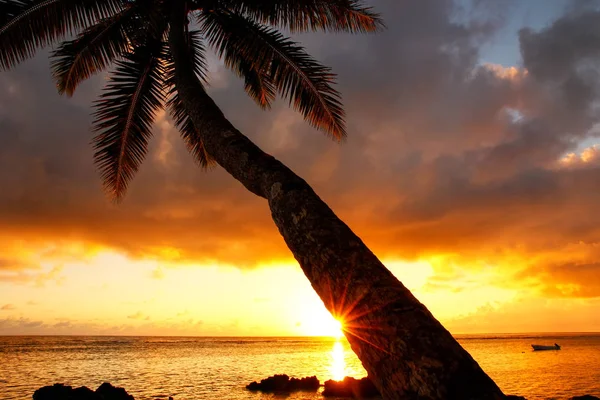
[[158, 50]]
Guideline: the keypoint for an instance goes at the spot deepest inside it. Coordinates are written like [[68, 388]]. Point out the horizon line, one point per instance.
[[283, 337]]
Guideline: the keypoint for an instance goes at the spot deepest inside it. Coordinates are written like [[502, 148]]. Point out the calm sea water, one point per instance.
[[219, 368]]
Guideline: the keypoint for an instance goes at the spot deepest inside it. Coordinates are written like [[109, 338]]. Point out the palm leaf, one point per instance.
[[189, 133], [197, 56], [296, 75], [76, 60], [148, 22], [309, 15], [26, 25], [125, 114], [257, 82]]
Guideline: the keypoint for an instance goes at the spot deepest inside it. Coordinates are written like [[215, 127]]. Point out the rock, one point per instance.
[[275, 383], [84, 393], [63, 392], [106, 391], [109, 392], [309, 383], [513, 397], [283, 383], [585, 397], [55, 392], [350, 387]]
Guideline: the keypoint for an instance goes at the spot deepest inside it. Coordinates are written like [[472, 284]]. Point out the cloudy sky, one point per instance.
[[472, 168]]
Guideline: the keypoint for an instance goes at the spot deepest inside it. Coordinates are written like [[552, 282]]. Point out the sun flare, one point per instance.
[[319, 322], [337, 329], [328, 326]]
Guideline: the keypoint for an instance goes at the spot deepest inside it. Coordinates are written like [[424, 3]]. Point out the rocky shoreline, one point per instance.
[[280, 384]]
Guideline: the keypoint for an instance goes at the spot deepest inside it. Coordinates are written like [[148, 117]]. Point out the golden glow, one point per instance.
[[71, 288], [587, 156], [507, 73], [338, 364], [337, 329], [322, 323]]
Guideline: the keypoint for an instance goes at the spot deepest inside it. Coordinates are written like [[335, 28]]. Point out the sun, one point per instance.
[[330, 327], [322, 324], [337, 330]]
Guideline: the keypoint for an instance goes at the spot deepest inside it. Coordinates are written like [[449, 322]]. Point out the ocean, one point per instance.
[[191, 368]]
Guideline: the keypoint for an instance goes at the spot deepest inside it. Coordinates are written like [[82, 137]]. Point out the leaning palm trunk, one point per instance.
[[405, 350]]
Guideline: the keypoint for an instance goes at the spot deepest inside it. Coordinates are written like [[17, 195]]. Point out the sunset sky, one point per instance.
[[472, 169]]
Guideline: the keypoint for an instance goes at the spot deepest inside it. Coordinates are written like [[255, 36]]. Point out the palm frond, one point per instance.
[[148, 21], [197, 56], [296, 75], [257, 83], [124, 116], [26, 25], [189, 133], [310, 15], [76, 60]]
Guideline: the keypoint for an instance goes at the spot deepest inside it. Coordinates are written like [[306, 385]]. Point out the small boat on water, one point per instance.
[[537, 347]]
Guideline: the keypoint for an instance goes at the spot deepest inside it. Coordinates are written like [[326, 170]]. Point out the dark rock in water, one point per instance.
[[275, 383], [55, 392], [350, 387], [62, 392], [309, 383], [513, 397], [109, 392], [283, 383], [106, 391], [585, 397], [84, 393]]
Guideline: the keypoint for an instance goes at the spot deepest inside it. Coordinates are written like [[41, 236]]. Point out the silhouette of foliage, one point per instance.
[[130, 34]]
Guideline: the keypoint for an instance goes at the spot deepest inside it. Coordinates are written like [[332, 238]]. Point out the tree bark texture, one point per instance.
[[407, 353]]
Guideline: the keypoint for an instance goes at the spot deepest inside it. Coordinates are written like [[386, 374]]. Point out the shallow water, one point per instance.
[[219, 368]]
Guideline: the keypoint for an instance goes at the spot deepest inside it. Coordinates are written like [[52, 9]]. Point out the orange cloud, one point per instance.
[[139, 315], [530, 315], [589, 157]]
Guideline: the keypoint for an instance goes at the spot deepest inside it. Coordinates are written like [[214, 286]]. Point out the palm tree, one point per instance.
[[157, 48]]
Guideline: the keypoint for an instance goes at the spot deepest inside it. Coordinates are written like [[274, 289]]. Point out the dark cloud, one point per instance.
[[446, 154]]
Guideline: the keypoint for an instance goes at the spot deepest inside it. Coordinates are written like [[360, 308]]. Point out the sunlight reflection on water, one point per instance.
[[338, 363], [157, 367], [219, 368]]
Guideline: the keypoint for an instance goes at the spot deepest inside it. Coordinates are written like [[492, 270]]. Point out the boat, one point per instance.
[[537, 347]]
